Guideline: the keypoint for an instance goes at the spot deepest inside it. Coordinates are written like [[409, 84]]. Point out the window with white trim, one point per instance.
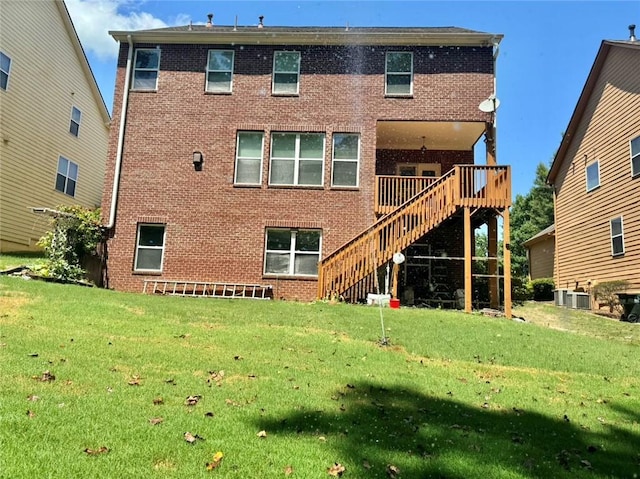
[[292, 252], [249, 158], [74, 126], [593, 175], [635, 156], [399, 74], [346, 159], [145, 70], [286, 73], [67, 176], [5, 68], [220, 71], [150, 242], [297, 159], [617, 237]]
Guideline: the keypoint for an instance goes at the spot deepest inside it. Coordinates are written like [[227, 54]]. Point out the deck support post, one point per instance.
[[492, 247], [468, 284], [507, 262], [490, 141]]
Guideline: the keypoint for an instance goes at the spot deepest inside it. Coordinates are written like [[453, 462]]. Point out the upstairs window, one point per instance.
[[150, 247], [249, 158], [286, 73], [146, 67], [67, 176], [5, 67], [346, 159], [593, 175], [292, 252], [74, 127], [635, 156], [297, 159], [617, 237], [220, 71], [399, 74]]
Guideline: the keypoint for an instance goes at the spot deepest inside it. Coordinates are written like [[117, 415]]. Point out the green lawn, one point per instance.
[[452, 395]]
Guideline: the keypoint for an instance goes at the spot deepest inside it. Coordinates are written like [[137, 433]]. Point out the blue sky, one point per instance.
[[544, 59]]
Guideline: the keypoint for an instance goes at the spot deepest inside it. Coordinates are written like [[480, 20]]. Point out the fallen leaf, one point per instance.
[[135, 381], [586, 464], [95, 452], [192, 400], [30, 414], [262, 434], [155, 420], [46, 376], [288, 470], [336, 470], [33, 355], [170, 381], [217, 459], [366, 465], [238, 358], [209, 414], [157, 401], [215, 377], [33, 398], [191, 438], [392, 471]]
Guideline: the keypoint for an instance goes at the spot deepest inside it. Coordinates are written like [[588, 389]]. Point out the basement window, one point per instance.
[[146, 67], [617, 237], [635, 156], [150, 248], [292, 252]]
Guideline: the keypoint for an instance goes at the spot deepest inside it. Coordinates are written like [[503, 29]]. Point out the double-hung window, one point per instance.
[[635, 156], [220, 71], [146, 67], [249, 158], [150, 247], [297, 159], [286, 73], [5, 67], [593, 175], [292, 252], [74, 126], [346, 158], [67, 176], [399, 74], [617, 237]]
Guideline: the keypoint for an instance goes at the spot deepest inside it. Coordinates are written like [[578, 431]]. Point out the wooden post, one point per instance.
[[468, 284], [490, 140], [507, 263], [492, 249]]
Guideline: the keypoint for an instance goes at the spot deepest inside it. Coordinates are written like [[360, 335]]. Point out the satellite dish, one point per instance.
[[398, 258], [489, 105]]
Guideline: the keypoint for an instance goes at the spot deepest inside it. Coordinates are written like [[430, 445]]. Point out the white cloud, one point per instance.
[[93, 19]]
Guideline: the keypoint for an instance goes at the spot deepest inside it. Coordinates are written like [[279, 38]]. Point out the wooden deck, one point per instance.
[[352, 267]]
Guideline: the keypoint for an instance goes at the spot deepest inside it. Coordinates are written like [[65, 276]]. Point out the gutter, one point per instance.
[[123, 117]]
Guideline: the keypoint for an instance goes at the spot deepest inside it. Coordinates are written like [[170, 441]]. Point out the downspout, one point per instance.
[[123, 116]]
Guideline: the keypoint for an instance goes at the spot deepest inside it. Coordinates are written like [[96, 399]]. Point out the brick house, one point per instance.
[[260, 155]]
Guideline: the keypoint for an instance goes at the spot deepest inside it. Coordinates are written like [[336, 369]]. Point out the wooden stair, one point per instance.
[[350, 270]]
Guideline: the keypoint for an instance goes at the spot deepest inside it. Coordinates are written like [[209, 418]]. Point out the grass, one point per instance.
[[452, 396], [14, 260]]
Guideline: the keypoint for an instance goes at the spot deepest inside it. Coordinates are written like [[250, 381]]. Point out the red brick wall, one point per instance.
[[215, 231]]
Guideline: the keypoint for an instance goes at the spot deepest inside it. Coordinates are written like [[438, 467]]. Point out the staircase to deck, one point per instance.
[[350, 270]]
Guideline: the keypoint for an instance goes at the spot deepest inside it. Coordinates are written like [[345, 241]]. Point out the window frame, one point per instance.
[[296, 159], [292, 251], [634, 173], [5, 75], [388, 73], [75, 122], [209, 71], [614, 237], [139, 247], [345, 160], [66, 175], [145, 69], [238, 157], [297, 73], [586, 175]]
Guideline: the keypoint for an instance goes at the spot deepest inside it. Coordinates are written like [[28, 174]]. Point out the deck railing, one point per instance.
[[463, 186], [393, 191]]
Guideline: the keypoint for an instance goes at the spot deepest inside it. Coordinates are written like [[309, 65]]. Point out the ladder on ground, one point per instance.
[[200, 289]]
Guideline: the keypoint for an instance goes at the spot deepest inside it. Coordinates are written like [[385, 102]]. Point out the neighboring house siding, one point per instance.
[[47, 79], [215, 230], [541, 259], [609, 122]]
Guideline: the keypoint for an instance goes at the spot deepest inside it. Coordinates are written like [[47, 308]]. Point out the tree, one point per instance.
[[530, 214]]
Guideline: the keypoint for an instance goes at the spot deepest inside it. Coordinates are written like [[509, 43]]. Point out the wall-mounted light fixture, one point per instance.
[[197, 160], [423, 148]]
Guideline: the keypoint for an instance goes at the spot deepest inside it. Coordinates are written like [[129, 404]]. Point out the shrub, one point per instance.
[[606, 293], [75, 233], [542, 289], [519, 290]]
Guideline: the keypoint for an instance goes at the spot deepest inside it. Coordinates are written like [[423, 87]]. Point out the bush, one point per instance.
[[606, 293], [75, 233], [542, 289], [519, 290]]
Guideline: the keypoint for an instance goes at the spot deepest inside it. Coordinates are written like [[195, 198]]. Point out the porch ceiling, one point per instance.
[[438, 135]]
